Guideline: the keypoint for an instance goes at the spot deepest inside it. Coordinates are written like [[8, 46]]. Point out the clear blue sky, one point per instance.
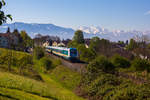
[[111, 14]]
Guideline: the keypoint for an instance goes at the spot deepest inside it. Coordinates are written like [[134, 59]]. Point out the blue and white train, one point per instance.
[[67, 53]]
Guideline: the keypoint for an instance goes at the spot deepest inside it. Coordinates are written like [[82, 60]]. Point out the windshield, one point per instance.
[[73, 52]]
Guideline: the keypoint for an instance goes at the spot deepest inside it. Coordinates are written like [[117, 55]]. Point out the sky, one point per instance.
[[110, 14]]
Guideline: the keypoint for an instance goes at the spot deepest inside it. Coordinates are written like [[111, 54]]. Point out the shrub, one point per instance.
[[100, 63], [103, 84], [86, 55], [119, 61], [46, 63], [25, 60], [141, 64], [38, 52], [129, 92], [56, 62]]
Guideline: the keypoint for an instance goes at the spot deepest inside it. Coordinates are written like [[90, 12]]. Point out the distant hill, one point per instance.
[[45, 29], [50, 29]]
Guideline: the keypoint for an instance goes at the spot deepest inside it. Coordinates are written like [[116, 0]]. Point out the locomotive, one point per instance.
[[66, 53]]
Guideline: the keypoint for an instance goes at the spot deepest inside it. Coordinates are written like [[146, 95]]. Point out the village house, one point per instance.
[[8, 39], [55, 44], [46, 44], [4, 40], [61, 44]]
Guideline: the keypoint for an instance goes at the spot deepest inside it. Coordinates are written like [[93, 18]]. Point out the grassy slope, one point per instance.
[[59, 90], [18, 54], [68, 78], [17, 87], [17, 94]]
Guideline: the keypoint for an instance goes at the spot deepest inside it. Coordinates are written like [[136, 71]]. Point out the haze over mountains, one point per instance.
[[50, 29]]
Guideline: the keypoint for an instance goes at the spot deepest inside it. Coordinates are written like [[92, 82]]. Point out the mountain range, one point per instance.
[[50, 29]]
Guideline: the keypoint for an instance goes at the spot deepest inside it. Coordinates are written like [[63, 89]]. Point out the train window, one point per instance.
[[65, 52], [73, 51]]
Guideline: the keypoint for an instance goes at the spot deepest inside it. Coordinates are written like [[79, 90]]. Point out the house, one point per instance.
[[46, 44], [87, 42], [87, 46], [55, 44], [61, 44], [8, 39], [4, 41]]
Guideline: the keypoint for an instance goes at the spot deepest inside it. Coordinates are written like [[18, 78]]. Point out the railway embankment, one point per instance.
[[76, 66]]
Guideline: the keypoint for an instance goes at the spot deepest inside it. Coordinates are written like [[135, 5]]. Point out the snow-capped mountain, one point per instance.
[[50, 29], [93, 30], [115, 35]]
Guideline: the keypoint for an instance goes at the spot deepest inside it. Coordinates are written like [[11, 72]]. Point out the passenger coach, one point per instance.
[[67, 53]]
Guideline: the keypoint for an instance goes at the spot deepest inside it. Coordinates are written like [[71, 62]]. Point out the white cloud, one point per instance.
[[147, 13]]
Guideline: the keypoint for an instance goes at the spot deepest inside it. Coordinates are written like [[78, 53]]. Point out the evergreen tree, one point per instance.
[[17, 34], [8, 30]]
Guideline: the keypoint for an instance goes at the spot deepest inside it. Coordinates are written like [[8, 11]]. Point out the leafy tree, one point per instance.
[[119, 61], [17, 33], [78, 37], [100, 46], [101, 63], [84, 53], [72, 44], [3, 17], [27, 41], [24, 61], [132, 45], [38, 52], [46, 63], [141, 64], [94, 44]]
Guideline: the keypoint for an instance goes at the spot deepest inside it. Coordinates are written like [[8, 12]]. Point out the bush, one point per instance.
[[56, 62], [46, 63], [103, 84], [100, 63], [38, 52], [86, 54], [119, 61], [129, 92], [141, 64]]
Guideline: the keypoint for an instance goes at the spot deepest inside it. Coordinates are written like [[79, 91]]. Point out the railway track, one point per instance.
[[76, 66]]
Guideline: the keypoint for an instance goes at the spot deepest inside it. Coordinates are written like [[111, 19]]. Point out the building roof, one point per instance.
[[5, 35]]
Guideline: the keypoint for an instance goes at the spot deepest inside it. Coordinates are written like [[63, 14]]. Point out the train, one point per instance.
[[66, 53]]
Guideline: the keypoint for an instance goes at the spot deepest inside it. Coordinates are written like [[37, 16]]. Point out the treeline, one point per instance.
[[19, 40]]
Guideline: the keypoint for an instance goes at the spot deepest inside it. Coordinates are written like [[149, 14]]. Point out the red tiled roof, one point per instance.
[[7, 35], [4, 34]]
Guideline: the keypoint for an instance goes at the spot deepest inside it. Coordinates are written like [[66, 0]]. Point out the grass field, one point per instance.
[[68, 78], [25, 87], [61, 92], [17, 87]]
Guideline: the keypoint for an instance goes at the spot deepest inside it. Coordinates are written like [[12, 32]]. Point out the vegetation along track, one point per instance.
[[80, 67], [76, 66]]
